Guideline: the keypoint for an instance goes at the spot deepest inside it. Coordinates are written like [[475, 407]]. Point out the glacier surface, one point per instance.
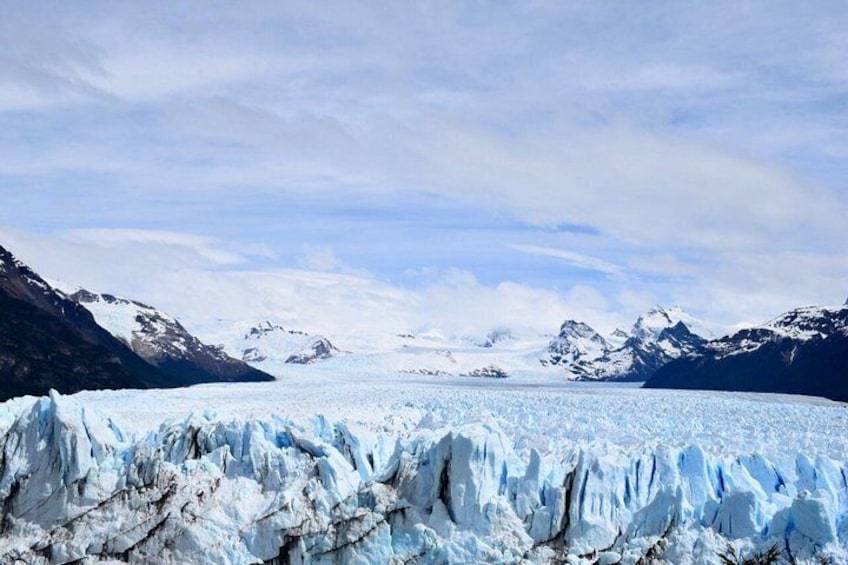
[[79, 482]]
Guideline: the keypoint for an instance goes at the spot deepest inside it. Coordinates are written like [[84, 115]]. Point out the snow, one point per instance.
[[577, 346], [659, 318], [265, 345], [800, 324], [586, 355], [268, 345], [119, 318], [805, 323], [126, 320], [578, 351], [370, 470]]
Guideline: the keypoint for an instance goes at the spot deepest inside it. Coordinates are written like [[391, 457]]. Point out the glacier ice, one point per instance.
[[74, 485]]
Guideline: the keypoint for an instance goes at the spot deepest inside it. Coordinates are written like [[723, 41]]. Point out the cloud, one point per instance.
[[324, 259], [576, 259], [206, 248], [634, 186], [194, 278], [700, 146], [152, 267], [359, 307]]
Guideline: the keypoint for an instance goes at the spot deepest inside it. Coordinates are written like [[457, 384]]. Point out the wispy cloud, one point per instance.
[[572, 258], [206, 248]]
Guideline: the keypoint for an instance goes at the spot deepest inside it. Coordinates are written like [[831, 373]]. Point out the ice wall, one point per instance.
[[73, 484]]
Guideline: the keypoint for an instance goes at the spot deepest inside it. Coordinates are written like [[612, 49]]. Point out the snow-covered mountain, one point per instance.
[[270, 346], [162, 341], [48, 341], [660, 335], [576, 352], [495, 336], [319, 349], [577, 348], [279, 350], [804, 351]]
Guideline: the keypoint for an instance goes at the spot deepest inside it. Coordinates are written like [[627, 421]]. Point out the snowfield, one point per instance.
[[407, 468]]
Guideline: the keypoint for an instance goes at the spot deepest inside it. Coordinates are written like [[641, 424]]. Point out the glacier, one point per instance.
[[75, 485]]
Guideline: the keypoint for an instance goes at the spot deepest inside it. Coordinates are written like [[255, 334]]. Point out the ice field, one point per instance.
[[410, 468]]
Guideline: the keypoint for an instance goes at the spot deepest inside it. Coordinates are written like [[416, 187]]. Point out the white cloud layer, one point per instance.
[[346, 304], [640, 153]]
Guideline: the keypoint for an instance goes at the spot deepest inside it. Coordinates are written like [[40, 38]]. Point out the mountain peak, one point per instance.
[[808, 321], [659, 335], [50, 341], [650, 324], [658, 318], [575, 347], [319, 349], [6, 258], [664, 314], [575, 328], [21, 282]]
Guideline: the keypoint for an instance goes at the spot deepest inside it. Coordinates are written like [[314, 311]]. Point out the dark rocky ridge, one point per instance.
[[49, 341], [805, 351], [39, 351], [488, 372], [647, 357]]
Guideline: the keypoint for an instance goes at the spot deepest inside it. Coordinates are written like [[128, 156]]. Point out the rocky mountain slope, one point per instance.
[[163, 342], [804, 351], [657, 337], [49, 341], [577, 348]]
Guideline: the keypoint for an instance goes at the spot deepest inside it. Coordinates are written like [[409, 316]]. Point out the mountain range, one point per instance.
[[657, 337], [162, 341], [273, 347], [50, 341], [70, 339], [804, 351]]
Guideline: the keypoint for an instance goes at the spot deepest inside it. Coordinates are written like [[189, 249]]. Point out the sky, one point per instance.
[[419, 165]]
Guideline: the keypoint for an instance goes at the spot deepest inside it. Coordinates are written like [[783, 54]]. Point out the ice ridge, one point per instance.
[[73, 485]]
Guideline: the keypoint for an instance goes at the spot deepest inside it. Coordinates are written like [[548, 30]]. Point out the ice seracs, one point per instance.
[[75, 485]]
